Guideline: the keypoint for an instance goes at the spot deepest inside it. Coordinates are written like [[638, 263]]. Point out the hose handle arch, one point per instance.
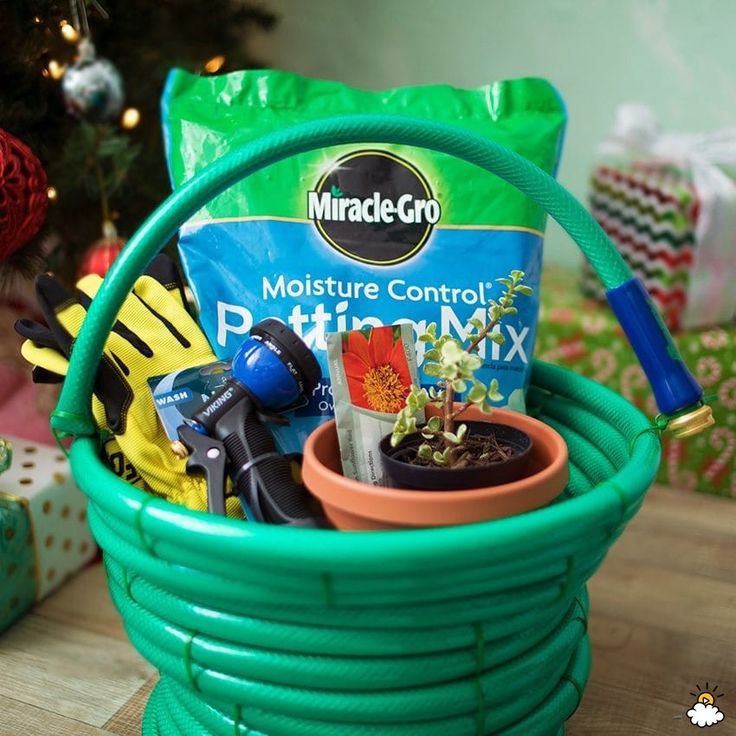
[[675, 389]]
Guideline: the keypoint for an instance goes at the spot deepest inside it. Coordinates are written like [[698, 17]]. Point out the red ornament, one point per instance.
[[99, 256], [23, 194]]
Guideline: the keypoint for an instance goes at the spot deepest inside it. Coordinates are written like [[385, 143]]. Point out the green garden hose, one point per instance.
[[261, 630], [194, 716], [324, 671]]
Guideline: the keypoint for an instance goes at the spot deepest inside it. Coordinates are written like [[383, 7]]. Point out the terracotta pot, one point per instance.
[[404, 474], [352, 505]]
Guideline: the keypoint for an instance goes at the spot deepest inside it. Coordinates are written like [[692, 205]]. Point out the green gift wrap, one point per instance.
[[583, 335], [44, 537]]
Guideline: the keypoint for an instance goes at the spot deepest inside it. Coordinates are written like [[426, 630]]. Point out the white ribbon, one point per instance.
[[636, 135]]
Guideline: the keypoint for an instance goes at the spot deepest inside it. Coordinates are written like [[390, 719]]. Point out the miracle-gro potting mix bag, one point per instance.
[[352, 236]]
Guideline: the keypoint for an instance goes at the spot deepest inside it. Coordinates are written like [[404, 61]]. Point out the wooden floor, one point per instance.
[[663, 622]]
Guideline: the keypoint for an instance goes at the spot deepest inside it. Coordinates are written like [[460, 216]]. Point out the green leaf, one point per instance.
[[462, 431], [451, 437], [505, 282], [473, 362], [477, 393], [497, 337], [432, 369], [422, 398], [486, 408], [426, 338], [448, 372], [495, 312], [475, 322], [432, 355], [451, 351], [439, 458], [424, 451], [510, 310], [493, 393], [396, 438], [524, 289], [441, 340], [335, 191], [459, 385], [517, 276], [496, 396], [434, 424], [432, 329]]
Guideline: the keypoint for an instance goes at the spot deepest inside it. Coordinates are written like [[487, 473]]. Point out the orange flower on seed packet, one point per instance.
[[376, 368]]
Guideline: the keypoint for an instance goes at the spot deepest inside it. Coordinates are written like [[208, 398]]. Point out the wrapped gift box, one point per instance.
[[44, 536], [668, 202], [583, 335], [650, 213]]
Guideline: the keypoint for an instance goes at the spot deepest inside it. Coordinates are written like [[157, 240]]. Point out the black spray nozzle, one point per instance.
[[272, 371]]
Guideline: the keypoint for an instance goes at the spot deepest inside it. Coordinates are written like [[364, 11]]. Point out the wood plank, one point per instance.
[[631, 662], [685, 532], [672, 601], [68, 670], [612, 711], [84, 602], [21, 719], [127, 721]]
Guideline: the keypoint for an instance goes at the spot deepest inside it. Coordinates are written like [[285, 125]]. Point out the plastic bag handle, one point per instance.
[[73, 413]]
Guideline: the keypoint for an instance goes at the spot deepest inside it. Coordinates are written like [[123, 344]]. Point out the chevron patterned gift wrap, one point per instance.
[[650, 213]]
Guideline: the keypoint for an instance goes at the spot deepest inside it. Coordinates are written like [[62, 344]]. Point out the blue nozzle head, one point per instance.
[[275, 366]]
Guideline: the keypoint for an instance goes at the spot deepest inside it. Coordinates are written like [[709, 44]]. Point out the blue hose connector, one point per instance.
[[675, 389]]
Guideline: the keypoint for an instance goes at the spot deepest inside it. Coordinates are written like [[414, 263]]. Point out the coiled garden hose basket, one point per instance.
[[263, 630]]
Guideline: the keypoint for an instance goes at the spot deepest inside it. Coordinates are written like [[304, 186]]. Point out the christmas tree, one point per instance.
[[102, 151]]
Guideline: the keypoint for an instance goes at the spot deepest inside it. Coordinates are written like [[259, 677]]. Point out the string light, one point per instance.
[[37, 19], [56, 70], [69, 32], [130, 118], [215, 64], [51, 193]]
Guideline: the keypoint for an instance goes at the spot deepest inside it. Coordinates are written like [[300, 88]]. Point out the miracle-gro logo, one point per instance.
[[373, 206]]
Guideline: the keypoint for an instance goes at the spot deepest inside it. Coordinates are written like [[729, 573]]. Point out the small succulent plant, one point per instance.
[[454, 366]]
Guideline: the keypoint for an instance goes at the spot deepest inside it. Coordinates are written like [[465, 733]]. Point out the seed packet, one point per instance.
[[371, 371], [354, 236]]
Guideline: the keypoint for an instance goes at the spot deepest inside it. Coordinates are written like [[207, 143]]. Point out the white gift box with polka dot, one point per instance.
[[40, 477]]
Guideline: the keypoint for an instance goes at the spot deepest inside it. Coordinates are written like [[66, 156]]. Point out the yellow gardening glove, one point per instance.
[[153, 335]]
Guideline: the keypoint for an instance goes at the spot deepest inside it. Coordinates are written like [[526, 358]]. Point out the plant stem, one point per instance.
[[459, 411], [448, 423]]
